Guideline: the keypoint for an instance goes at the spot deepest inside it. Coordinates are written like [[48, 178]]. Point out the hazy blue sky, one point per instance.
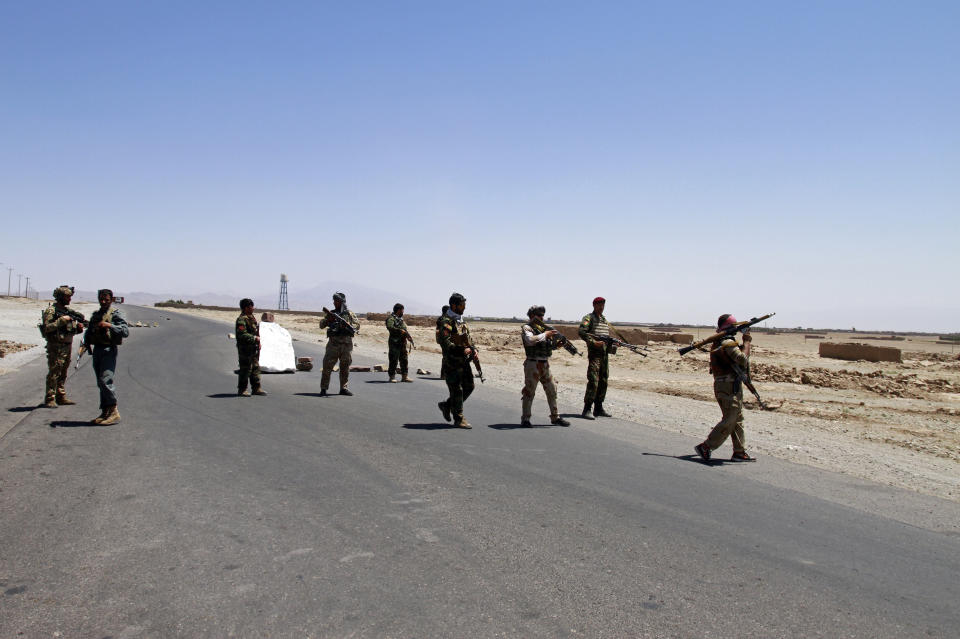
[[682, 159]]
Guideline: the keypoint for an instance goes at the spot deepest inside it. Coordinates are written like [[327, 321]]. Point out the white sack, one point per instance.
[[276, 349]]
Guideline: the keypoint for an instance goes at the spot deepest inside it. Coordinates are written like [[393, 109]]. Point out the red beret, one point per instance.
[[598, 299]]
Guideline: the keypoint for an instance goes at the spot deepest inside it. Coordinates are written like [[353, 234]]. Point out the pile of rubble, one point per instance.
[[9, 348], [909, 385]]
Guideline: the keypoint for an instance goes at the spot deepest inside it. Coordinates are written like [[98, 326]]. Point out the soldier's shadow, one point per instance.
[[22, 409], [694, 458], [434, 426], [519, 427], [63, 423], [222, 395]]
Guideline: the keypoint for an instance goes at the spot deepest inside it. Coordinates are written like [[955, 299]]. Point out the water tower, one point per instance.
[[284, 303]]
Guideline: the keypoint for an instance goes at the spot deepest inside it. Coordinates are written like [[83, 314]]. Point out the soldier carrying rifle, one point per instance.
[[341, 325], [593, 327], [459, 351], [730, 367], [397, 344], [58, 324]]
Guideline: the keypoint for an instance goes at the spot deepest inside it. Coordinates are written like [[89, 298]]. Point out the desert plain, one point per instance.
[[897, 424]]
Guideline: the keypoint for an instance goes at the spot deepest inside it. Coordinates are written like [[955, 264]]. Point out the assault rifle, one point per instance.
[[559, 340], [340, 320], [613, 341], [476, 362], [76, 316], [729, 332], [83, 349], [745, 380]]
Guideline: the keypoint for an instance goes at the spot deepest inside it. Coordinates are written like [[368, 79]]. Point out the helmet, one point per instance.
[[457, 299], [536, 310], [62, 292], [339, 297]]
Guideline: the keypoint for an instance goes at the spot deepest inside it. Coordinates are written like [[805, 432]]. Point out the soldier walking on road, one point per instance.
[[107, 329], [598, 362], [725, 358], [341, 325], [397, 344], [538, 344], [59, 324], [248, 350], [458, 350], [443, 357]]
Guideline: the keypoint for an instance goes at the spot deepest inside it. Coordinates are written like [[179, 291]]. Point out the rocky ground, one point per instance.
[[893, 423]]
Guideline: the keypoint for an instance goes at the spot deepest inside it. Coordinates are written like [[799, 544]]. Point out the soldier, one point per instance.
[[107, 329], [725, 358], [458, 350], [443, 358], [397, 344], [59, 324], [248, 350], [598, 362], [340, 332], [538, 344]]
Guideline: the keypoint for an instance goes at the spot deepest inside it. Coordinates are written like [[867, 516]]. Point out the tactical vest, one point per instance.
[[720, 364], [337, 329], [461, 339], [103, 336], [252, 326], [395, 327], [537, 350], [61, 336]]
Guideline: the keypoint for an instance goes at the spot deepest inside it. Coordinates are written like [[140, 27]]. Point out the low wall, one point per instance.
[[860, 351]]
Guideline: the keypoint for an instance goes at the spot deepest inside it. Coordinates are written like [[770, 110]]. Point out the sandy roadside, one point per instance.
[[890, 429]]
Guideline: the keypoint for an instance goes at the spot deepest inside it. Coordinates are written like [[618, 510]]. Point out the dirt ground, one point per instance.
[[897, 424]]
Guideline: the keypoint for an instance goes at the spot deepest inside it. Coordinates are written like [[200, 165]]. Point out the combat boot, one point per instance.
[[586, 411], [64, 401], [462, 422], [259, 391], [242, 393], [392, 379], [444, 409], [406, 379], [113, 416], [99, 418], [49, 403], [599, 412]]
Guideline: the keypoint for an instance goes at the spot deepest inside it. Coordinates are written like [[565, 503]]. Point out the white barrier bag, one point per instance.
[[276, 349]]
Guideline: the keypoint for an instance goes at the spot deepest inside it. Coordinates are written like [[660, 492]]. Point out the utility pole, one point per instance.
[[19, 280], [9, 274], [26, 289]]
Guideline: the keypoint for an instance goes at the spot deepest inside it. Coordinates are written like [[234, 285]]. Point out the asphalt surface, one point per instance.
[[207, 515]]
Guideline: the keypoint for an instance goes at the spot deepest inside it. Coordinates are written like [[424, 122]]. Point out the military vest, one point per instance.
[[337, 329], [537, 350], [459, 337], [103, 336], [396, 326], [249, 326], [720, 363]]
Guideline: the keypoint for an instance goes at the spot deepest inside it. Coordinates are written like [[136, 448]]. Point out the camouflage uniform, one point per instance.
[[339, 348], [598, 362], [58, 329], [397, 347], [443, 355], [248, 352], [536, 370], [105, 343], [454, 337], [728, 390]]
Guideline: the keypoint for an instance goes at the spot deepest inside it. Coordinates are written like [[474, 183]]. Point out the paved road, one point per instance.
[[207, 515]]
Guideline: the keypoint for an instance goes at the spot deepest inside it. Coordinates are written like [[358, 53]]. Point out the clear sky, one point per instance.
[[682, 159]]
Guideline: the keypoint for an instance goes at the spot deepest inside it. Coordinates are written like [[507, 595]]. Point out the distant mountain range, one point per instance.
[[360, 298]]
